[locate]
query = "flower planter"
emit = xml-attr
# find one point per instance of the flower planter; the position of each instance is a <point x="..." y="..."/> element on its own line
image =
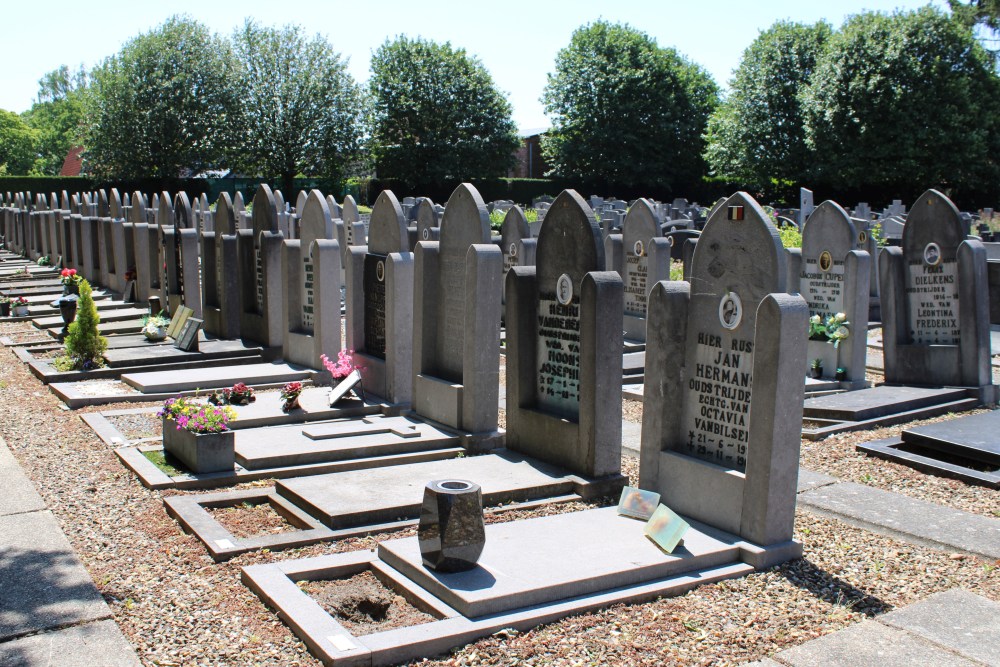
<point x="200" y="452"/>
<point x="5" y="309"/>
<point x="154" y="334"/>
<point x="19" y="311"/>
<point x="71" y="289"/>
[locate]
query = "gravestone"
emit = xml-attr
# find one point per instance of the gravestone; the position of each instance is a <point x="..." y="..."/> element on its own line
<point x="564" y="347"/>
<point x="428" y="221"/>
<point x="220" y="272"/>
<point x="352" y="232"/>
<point x="935" y="303"/>
<point x="336" y="212"/>
<point x="311" y="267"/>
<point x="643" y="260"/>
<point x="183" y="287"/>
<point x="166" y="245"/>
<point x="806" y="205"/>
<point x="516" y="242"/>
<point x="722" y="405"/>
<point x="261" y="282"/>
<point x="456" y="322"/>
<point x="145" y="241"/>
<point x="379" y="320"/>
<point x="834" y="279"/>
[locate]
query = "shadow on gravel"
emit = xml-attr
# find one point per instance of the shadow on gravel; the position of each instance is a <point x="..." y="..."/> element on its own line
<point x="804" y="574"/>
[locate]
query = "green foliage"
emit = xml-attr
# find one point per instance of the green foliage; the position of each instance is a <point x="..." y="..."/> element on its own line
<point x="984" y="14"/>
<point x="626" y="111"/>
<point x="300" y="109"/>
<point x="757" y="135"/>
<point x="164" y="104"/>
<point x="904" y="102"/>
<point x="84" y="345"/>
<point x="790" y="237"/>
<point x="437" y="114"/>
<point x="57" y="115"/>
<point x="166" y="463"/>
<point x="18" y="143"/>
<point x="676" y="269"/>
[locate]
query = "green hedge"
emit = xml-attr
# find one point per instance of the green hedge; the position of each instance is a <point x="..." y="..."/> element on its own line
<point x="45" y="184"/>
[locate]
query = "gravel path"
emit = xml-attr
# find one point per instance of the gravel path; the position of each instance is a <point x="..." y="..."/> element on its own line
<point x="178" y="607"/>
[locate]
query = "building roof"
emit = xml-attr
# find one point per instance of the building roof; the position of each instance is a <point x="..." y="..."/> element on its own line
<point x="73" y="164"/>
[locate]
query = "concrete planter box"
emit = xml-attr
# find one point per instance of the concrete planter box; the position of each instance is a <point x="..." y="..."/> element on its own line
<point x="200" y="452"/>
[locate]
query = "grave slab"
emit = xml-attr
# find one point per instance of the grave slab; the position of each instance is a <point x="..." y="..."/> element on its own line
<point x="962" y="621"/>
<point x="43" y="583"/>
<point x="211" y="378"/>
<point x="870" y="644"/>
<point x="877" y="402"/>
<point x="296" y="445"/>
<point x="110" y="315"/>
<point x="152" y="354"/>
<point x="895" y="449"/>
<point x="539" y="561"/>
<point x="974" y="436"/>
<point x="98" y="644"/>
<point x="385" y="494"/>
<point x="906" y="518"/>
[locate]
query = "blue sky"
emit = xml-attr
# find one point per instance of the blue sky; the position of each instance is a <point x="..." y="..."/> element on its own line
<point x="516" y="40"/>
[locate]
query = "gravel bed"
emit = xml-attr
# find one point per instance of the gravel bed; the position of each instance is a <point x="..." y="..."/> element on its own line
<point x="136" y="426"/>
<point x="251" y="519"/>
<point x="178" y="607"/>
<point x="104" y="388"/>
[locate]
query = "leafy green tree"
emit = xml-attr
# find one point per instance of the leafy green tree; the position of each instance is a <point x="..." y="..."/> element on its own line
<point x="757" y="136"/>
<point x="982" y="13"/>
<point x="437" y="114"/>
<point x="163" y="105"/>
<point x="57" y="116"/>
<point x="301" y="110"/>
<point x="626" y="111"/>
<point x="85" y="346"/>
<point x="18" y="143"/>
<point x="904" y="102"/>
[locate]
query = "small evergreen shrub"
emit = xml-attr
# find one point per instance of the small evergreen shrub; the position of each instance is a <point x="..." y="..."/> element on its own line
<point x="84" y="345"/>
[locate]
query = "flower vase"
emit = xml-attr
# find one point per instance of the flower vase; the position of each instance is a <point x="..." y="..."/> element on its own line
<point x="291" y="404"/>
<point x="71" y="288"/>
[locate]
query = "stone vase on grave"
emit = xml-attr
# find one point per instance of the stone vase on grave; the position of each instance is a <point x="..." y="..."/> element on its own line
<point x="451" y="532"/>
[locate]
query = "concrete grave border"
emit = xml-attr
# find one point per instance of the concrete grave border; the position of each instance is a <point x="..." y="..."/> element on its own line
<point x="886" y="449"/>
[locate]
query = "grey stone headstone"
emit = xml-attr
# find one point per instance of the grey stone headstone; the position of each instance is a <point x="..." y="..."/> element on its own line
<point x="428" y="221"/>
<point x="834" y="278"/>
<point x="260" y="276"/>
<point x="724" y="386"/>
<point x="115" y="205"/>
<point x="513" y="233"/>
<point x="806" y="205"/>
<point x="379" y="301"/>
<point x="935" y="304"/>
<point x="564" y="347"/>
<point x="456" y="314"/>
<point x="220" y="272"/>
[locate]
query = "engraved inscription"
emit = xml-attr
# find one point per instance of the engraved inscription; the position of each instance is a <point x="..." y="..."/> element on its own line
<point x="558" y="363"/>
<point x="636" y="277"/>
<point x="932" y="300"/>
<point x="717" y="413"/>
<point x="451" y="322"/>
<point x="823" y="290"/>
<point x="374" y="280"/>
<point x="259" y="278"/>
<point x="307" y="294"/>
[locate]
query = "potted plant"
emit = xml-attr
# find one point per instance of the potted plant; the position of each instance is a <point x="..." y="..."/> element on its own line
<point x="816" y="368"/>
<point x="44" y="261"/>
<point x="154" y="327"/>
<point x="198" y="434"/>
<point x="71" y="281"/>
<point x="19" y="306"/>
<point x="290" y="395"/>
<point x="841" y="374"/>
<point x="238" y="394"/>
<point x="833" y="329"/>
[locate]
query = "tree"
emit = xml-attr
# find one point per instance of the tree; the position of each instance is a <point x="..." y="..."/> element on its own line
<point x="904" y="102"/>
<point x="17" y="144"/>
<point x="757" y="136"/>
<point x="57" y="116"/>
<point x="163" y="105"/>
<point x="626" y="111"/>
<point x="84" y="344"/>
<point x="302" y="112"/>
<point x="982" y="13"/>
<point x="437" y="114"/>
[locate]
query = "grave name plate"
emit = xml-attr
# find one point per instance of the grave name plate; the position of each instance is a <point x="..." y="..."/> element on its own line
<point x="374" y="319"/>
<point x="932" y="298"/>
<point x="823" y="283"/>
<point x="308" y="296"/>
<point x="558" y="348"/>
<point x="187" y="339"/>
<point x="636" y="271"/>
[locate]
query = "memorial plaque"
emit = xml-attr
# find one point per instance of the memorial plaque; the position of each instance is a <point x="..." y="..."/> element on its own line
<point x="666" y="529"/>
<point x="932" y="297"/>
<point x="187" y="339"/>
<point x="637" y="503"/>
<point x="639" y="228"/>
<point x="178" y="320"/>
<point x="344" y="387"/>
<point x="374" y="290"/>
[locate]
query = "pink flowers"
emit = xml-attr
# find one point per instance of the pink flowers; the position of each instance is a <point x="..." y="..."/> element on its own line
<point x="69" y="277"/>
<point x="343" y="367"/>
<point x="196" y="417"/>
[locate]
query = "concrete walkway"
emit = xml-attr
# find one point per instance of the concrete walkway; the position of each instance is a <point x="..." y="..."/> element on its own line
<point x="955" y="628"/>
<point x="50" y="611"/>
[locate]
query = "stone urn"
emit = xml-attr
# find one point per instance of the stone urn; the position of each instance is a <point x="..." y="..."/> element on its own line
<point x="451" y="531"/>
<point x="19" y="311"/>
